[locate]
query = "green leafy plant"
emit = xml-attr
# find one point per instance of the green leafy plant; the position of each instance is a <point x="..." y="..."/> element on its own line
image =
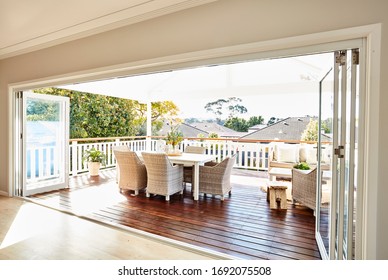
<point x="302" y="166"/>
<point x="174" y="137"/>
<point x="94" y="155"/>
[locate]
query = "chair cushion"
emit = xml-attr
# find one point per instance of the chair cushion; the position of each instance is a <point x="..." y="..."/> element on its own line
<point x="287" y="153"/>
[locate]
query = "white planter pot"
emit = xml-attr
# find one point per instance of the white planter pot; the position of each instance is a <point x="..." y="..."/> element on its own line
<point x="94" y="167"/>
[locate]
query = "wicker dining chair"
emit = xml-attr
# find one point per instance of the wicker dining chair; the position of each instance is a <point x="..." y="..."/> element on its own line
<point x="164" y="178"/>
<point x="119" y="148"/>
<point x="304" y="187"/>
<point x="214" y="178"/>
<point x="132" y="173"/>
<point x="188" y="176"/>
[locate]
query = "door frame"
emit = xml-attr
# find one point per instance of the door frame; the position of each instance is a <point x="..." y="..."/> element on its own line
<point x="304" y="44"/>
<point x="22" y="121"/>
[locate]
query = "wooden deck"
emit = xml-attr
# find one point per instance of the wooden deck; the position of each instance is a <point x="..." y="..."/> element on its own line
<point x="242" y="226"/>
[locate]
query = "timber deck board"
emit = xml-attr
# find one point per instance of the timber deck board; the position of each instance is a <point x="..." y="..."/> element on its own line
<point x="242" y="225"/>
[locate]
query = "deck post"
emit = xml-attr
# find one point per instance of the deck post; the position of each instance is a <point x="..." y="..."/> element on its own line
<point x="149" y="125"/>
<point x="74" y="158"/>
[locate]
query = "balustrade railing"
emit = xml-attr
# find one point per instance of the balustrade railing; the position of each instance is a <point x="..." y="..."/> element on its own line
<point x="250" y="155"/>
<point x="41" y="160"/>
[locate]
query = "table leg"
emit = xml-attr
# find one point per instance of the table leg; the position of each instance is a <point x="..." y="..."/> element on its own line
<point x="196" y="181"/>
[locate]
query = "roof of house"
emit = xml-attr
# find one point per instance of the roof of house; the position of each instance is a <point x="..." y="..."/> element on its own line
<point x="186" y="129"/>
<point x="287" y="129"/>
<point x="221" y="130"/>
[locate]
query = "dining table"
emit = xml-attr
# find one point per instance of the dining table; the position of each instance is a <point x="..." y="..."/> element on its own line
<point x="190" y="159"/>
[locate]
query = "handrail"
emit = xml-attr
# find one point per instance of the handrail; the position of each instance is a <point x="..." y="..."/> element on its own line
<point x="200" y="139"/>
<point x="105" y="138"/>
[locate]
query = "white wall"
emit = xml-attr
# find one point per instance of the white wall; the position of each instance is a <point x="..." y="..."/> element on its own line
<point x="220" y="24"/>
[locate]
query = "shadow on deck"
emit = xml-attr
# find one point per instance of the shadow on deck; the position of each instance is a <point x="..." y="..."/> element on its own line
<point x="242" y="226"/>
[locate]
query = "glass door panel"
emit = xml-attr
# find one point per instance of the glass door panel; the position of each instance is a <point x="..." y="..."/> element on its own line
<point x="325" y="144"/>
<point x="336" y="220"/>
<point x="45" y="142"/>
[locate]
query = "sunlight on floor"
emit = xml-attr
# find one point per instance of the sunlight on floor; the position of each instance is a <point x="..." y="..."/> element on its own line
<point x="248" y="181"/>
<point x="87" y="200"/>
<point x="25" y="225"/>
<point x="30" y="231"/>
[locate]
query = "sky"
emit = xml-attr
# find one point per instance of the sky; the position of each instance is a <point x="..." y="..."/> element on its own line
<point x="265" y="105"/>
<point x="283" y="88"/>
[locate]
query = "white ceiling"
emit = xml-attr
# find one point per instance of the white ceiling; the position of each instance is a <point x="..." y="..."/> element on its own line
<point x="277" y="76"/>
<point x="27" y="25"/>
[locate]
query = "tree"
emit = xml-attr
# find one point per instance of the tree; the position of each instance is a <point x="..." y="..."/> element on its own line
<point x="327" y="125"/>
<point x="237" y="124"/>
<point x="93" y="115"/>
<point x="223" y="106"/>
<point x="273" y="120"/>
<point x="160" y="111"/>
<point x="191" y="120"/>
<point x="311" y="131"/>
<point x="213" y="135"/>
<point x="255" y="120"/>
<point x="42" y="110"/>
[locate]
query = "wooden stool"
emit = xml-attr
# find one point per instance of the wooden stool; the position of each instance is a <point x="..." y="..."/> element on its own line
<point x="276" y="192"/>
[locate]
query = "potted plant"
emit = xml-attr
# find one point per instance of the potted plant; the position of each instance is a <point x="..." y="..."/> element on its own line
<point x="302" y="166"/>
<point x="174" y="137"/>
<point x="94" y="158"/>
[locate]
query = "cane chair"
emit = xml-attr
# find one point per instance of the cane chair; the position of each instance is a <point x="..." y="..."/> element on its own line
<point x="304" y="187"/>
<point x="164" y="178"/>
<point x="214" y="178"/>
<point x="132" y="173"/>
<point x="188" y="176"/>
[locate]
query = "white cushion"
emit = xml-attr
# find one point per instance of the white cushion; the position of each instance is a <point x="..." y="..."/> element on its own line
<point x="326" y="154"/>
<point x="311" y="155"/>
<point x="288" y="153"/>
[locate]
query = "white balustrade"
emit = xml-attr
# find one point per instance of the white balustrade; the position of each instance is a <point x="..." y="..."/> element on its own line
<point x="42" y="161"/>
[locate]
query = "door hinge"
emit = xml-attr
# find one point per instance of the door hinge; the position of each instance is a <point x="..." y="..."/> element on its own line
<point x="355" y="56"/>
<point x="339" y="151"/>
<point x="340" y="57"/>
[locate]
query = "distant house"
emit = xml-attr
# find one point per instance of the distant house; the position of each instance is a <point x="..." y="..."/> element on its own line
<point x="256" y="127"/>
<point x="186" y="129"/>
<point x="290" y="128"/>
<point x="220" y="130"/>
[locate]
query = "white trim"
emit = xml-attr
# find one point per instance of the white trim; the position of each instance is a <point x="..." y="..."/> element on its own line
<point x="371" y="143"/>
<point x="51" y="184"/>
<point x="318" y="42"/>
<point x="3" y="193"/>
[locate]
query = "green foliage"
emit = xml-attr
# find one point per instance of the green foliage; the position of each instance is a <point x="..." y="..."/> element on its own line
<point x="213" y="135"/>
<point x="159" y="112"/>
<point x="93" y="115"/>
<point x="273" y="120"/>
<point x="311" y="131"/>
<point x="174" y="136"/>
<point x="94" y="155"/>
<point x="327" y="125"/>
<point x="191" y="120"/>
<point x="223" y="106"/>
<point x="40" y="110"/>
<point x="255" y="120"/>
<point x="302" y="166"/>
<point x="201" y="135"/>
<point x="237" y="124"/>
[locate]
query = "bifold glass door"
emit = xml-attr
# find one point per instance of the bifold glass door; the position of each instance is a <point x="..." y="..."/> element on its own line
<point x="44" y="136"/>
<point x="339" y="112"/>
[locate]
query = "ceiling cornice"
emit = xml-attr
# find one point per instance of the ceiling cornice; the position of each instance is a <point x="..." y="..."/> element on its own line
<point x="145" y="11"/>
